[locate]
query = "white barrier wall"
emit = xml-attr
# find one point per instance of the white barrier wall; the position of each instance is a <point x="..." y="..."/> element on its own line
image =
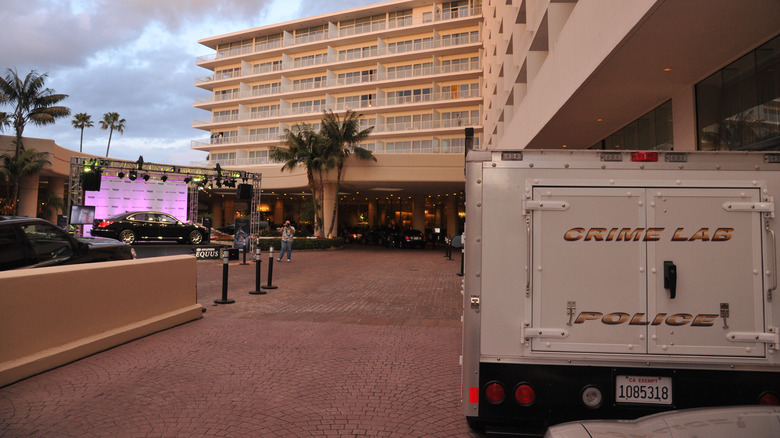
<point x="53" y="316"/>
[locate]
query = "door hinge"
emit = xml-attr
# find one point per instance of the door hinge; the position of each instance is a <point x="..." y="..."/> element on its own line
<point x="532" y="332"/>
<point x="763" y="207"/>
<point x="530" y="204"/>
<point x="772" y="337"/>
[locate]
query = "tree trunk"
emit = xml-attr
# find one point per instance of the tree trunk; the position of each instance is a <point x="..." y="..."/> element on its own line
<point x="110" y="133"/>
<point x="336" y="201"/>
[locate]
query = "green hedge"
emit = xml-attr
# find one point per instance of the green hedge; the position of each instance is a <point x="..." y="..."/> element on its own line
<point x="302" y="243"/>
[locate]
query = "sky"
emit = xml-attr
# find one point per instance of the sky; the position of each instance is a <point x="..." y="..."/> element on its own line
<point x="132" y="57"/>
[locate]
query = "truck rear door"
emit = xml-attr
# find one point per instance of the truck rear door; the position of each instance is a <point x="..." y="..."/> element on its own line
<point x="640" y="270"/>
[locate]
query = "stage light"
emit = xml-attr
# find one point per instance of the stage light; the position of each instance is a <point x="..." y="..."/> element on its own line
<point x="164" y="178"/>
<point x="133" y="175"/>
<point x="140" y="162"/>
<point x="187" y="180"/>
<point x="145" y="177"/>
<point x="120" y="175"/>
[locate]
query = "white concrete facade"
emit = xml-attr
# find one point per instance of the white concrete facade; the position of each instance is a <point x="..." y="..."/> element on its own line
<point x="568" y="73"/>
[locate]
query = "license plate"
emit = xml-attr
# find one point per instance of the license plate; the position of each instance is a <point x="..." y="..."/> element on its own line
<point x="643" y="390"/>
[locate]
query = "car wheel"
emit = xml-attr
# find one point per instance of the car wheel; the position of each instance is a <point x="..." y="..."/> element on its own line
<point x="195" y="237"/>
<point x="127" y="236"/>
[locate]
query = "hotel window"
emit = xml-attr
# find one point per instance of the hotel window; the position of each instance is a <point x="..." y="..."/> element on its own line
<point x="264" y="134"/>
<point x="357" y="101"/>
<point x="258" y="157"/>
<point x="355" y="77"/>
<point x="358" y="53"/>
<point x="225" y="116"/>
<point x="308" y="106"/>
<point x="264" y="111"/>
<point x="226" y="94"/>
<point x="409" y="96"/>
<point x="460" y="38"/>
<point x="227" y="73"/>
<point x="738" y="107"/>
<point x="234" y="48"/>
<point x="267" y="67"/>
<point x="310" y="34"/>
<point x="400" y="18"/>
<point x="309" y="83"/>
<point x="223" y="157"/>
<point x="411" y="70"/>
<point x="268" y="42"/>
<point x="454" y="65"/>
<point x="264" y="89"/>
<point x="410" y="45"/>
<point x="308" y="60"/>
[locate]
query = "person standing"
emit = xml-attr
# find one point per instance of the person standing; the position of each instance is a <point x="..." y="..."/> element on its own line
<point x="288" y="233"/>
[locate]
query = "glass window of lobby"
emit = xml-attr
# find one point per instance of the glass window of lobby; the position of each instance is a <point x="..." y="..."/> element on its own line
<point x="738" y="107"/>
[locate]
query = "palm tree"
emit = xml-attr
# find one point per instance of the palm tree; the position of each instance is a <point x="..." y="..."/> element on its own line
<point x="112" y="122"/>
<point x="304" y="148"/>
<point x="27" y="162"/>
<point x="341" y="138"/>
<point x="33" y="103"/>
<point x="81" y="121"/>
<point x="50" y="204"/>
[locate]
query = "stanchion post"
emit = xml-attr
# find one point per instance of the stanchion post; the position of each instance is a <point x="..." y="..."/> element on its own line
<point x="225" y="259"/>
<point x="270" y="270"/>
<point x="245" y="248"/>
<point x="258" y="263"/>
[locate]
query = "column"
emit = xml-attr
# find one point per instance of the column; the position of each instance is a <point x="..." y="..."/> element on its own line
<point x="57" y="188"/>
<point x="279" y="212"/>
<point x="216" y="210"/>
<point x="418" y="213"/>
<point x="452" y="215"/>
<point x="372" y="212"/>
<point x="28" y="196"/>
<point x="327" y="210"/>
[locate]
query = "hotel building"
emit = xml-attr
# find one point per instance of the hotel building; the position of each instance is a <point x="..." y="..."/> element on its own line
<point x="412" y="69"/>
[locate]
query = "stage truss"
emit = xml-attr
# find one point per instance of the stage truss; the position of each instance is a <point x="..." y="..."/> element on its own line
<point x="195" y="178"/>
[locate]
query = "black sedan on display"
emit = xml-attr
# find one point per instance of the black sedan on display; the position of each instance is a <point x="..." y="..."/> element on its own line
<point x="149" y="225"/>
<point x="31" y="243"/>
<point x="409" y="239"/>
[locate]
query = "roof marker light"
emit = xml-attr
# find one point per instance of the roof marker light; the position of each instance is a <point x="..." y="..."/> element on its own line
<point x="644" y="157"/>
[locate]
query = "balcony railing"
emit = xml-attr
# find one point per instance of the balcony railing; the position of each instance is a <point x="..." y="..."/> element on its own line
<point x="317" y="109"/>
<point x="345" y="31"/>
<point x="378" y="128"/>
<point x="376" y="77"/>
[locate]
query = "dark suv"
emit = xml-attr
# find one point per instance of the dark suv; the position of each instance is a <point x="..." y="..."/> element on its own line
<point x="31" y="242"/>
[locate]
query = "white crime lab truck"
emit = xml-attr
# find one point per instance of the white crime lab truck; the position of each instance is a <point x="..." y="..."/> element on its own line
<point x="608" y="285"/>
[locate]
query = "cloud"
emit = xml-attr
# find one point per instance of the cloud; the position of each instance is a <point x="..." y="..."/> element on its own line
<point x="134" y="57"/>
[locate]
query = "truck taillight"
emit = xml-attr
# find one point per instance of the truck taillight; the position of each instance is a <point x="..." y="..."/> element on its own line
<point x="525" y="394"/>
<point x="494" y="393"/>
<point x="644" y="157"/>
<point x="769" y="398"/>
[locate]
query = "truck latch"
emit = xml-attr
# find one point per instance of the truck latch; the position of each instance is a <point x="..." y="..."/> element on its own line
<point x="475" y="302"/>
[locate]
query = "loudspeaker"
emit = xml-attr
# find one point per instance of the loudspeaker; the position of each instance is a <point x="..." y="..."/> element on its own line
<point x="244" y="191"/>
<point x="90" y="181"/>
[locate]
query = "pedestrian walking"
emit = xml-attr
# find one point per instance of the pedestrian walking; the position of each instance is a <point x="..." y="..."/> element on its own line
<point x="288" y="233"/>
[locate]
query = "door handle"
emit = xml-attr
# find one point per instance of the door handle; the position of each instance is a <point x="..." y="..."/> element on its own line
<point x="670" y="278"/>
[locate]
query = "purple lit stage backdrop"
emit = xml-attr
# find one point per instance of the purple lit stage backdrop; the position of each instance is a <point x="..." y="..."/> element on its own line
<point x="120" y="195"/>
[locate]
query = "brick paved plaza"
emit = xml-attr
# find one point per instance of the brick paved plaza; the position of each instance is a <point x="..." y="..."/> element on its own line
<point x="362" y="341"/>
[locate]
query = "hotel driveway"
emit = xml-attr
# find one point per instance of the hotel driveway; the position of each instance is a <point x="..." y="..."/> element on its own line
<point x="362" y="341"/>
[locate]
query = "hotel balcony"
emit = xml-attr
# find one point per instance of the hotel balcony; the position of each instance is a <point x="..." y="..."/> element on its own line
<point x="335" y="32"/>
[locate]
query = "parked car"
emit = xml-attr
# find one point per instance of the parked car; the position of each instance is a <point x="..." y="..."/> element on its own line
<point x="760" y="421"/>
<point x="150" y="225"/>
<point x="31" y="243"/>
<point x="353" y="234"/>
<point x="376" y="235"/>
<point x="409" y="238"/>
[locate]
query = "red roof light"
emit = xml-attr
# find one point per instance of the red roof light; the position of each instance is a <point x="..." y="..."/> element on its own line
<point x="644" y="157"/>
